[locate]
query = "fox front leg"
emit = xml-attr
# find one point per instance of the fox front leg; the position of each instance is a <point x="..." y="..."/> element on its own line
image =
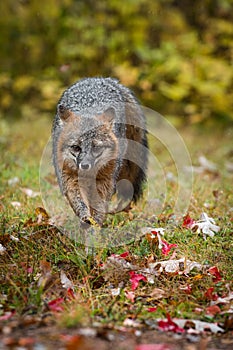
<point x="79" y="207"/>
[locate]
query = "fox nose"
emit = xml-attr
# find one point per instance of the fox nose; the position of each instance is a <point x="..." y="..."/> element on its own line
<point x="84" y="166"/>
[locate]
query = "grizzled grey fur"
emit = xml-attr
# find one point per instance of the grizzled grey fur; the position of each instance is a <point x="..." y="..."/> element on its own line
<point x="97" y="107"/>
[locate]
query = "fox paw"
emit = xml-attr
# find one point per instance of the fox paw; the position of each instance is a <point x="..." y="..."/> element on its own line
<point x="85" y="221"/>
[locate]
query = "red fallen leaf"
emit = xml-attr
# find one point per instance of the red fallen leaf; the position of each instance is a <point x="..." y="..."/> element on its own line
<point x="216" y="274"/>
<point x="70" y="293"/>
<point x="7" y="316"/>
<point x="210" y="295"/>
<point x="152" y="309"/>
<point x="167" y="247"/>
<point x="56" y="305"/>
<point x="135" y="278"/>
<point x="213" y="310"/>
<point x="169" y="325"/>
<point x="153" y="347"/>
<point x="130" y="295"/>
<point x="122" y="255"/>
<point x="188" y="222"/>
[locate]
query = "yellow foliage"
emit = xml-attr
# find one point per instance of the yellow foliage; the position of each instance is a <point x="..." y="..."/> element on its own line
<point x="174" y="92"/>
<point x="22" y="83"/>
<point x="6" y="100"/>
<point x="127" y="75"/>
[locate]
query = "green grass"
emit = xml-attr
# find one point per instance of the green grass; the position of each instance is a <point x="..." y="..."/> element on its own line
<point x="23" y="263"/>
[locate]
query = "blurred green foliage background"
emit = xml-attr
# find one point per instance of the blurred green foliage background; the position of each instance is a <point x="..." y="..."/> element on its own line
<point x="175" y="54"/>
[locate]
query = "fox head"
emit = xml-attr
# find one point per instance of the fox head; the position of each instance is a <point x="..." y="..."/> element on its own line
<point x="86" y="144"/>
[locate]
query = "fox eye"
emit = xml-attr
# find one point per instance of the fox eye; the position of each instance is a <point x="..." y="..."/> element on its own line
<point x="97" y="146"/>
<point x="75" y="148"/>
<point x="97" y="149"/>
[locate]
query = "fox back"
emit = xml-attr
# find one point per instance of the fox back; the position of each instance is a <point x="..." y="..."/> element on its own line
<point x="99" y="139"/>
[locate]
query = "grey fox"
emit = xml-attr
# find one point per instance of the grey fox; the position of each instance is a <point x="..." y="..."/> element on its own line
<point x="99" y="138"/>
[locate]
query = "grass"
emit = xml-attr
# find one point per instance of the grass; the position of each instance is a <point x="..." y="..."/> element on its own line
<point x="31" y="265"/>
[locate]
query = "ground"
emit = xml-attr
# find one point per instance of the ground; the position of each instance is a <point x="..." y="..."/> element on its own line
<point x="56" y="295"/>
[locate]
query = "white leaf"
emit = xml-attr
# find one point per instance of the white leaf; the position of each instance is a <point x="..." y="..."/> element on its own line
<point x="29" y="192"/>
<point x="128" y="322"/>
<point x="65" y="281"/>
<point x="2" y="249"/>
<point x="174" y="266"/>
<point x="206" y="164"/>
<point x="200" y="326"/>
<point x="14" y="238"/>
<point x="16" y="204"/>
<point x="158" y="230"/>
<point x="115" y="291"/>
<point x="206" y="225"/>
<point x="13" y="181"/>
<point x="224" y="300"/>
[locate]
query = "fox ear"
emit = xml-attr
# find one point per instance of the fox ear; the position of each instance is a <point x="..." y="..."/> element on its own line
<point x="65" y="114"/>
<point x="108" y="116"/>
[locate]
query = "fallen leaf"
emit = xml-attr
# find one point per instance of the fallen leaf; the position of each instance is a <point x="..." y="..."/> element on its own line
<point x="16" y="204"/>
<point x="167" y="247"/>
<point x="173" y="266"/>
<point x="135" y="278"/>
<point x="152" y="309"/>
<point x="13" y="238"/>
<point x="154" y="234"/>
<point x="207" y="165"/>
<point x="213" y="310"/>
<point x="188" y="221"/>
<point x="41" y="214"/>
<point x="225" y="300"/>
<point x="29" y="192"/>
<point x="169" y="325"/>
<point x="70" y="294"/>
<point x="209" y="294"/>
<point x="206" y="225"/>
<point x="199" y="326"/>
<point x="65" y="281"/>
<point x="2" y="249"/>
<point x="13" y="181"/>
<point x="158" y="232"/>
<point x="7" y="316"/>
<point x="130" y="295"/>
<point x="215" y="273"/>
<point x="123" y="255"/>
<point x="129" y="322"/>
<point x="56" y="305"/>
<point x="115" y="291"/>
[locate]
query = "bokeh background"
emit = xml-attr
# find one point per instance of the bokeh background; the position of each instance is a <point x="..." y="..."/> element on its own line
<point x="176" y="55"/>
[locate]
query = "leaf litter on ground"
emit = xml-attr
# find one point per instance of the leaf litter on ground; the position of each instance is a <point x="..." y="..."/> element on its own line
<point x="133" y="276"/>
